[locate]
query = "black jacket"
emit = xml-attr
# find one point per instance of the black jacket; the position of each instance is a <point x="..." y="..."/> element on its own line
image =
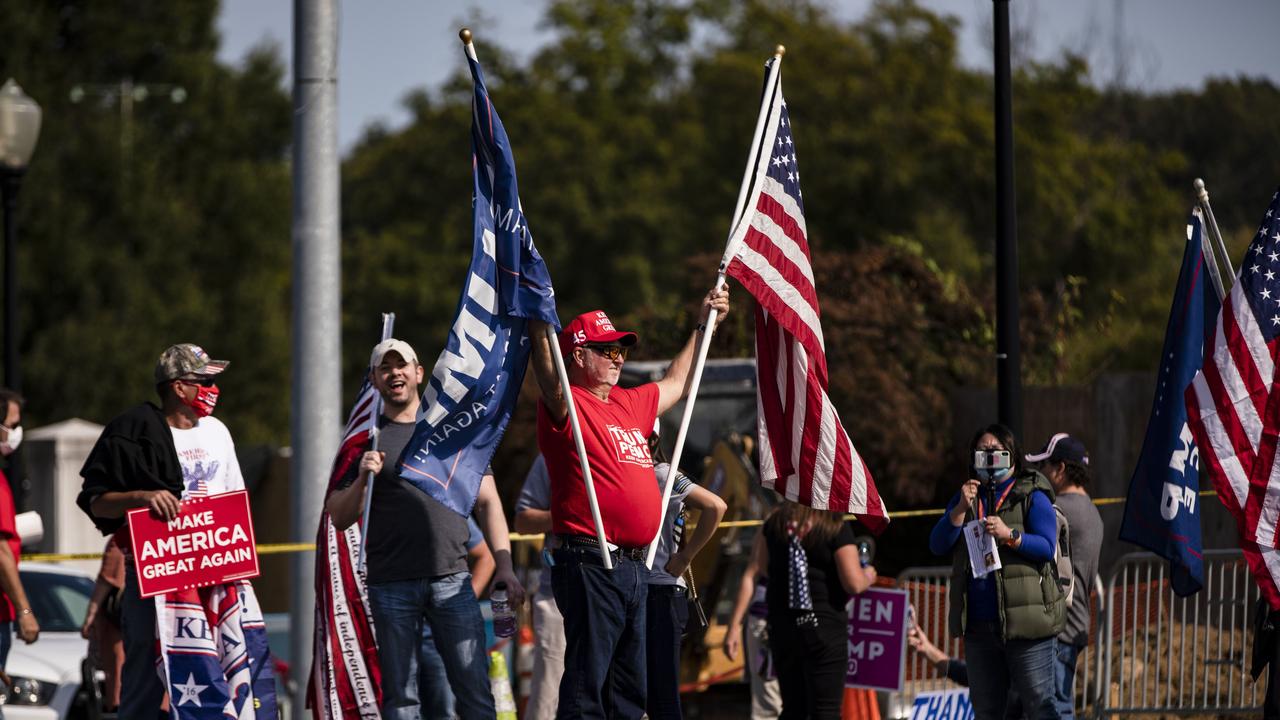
<point x="134" y="452"/>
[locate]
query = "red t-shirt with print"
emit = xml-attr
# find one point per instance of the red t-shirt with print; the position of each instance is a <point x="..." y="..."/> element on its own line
<point x="615" y="434"/>
<point x="9" y="533"/>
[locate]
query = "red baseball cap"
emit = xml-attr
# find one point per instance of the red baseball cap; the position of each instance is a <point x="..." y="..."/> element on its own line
<point x="593" y="327"/>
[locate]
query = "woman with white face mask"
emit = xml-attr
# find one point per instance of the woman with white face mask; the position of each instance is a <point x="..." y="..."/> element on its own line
<point x="10" y="429"/>
<point x="14" y="607"/>
<point x="1000" y="529"/>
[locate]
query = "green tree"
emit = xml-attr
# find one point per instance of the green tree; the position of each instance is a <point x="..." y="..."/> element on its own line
<point x="183" y="238"/>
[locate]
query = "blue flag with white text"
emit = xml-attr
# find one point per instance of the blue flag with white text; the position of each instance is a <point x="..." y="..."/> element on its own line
<point x="472" y="390"/>
<point x="1162" y="513"/>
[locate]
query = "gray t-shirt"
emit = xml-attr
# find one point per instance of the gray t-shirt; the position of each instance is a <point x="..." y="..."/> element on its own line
<point x="1086" y="543"/>
<point x="536" y="495"/>
<point x="658" y="575"/>
<point x="411" y="534"/>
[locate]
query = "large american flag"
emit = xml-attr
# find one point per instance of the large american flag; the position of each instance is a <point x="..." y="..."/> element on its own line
<point x="805" y="453"/>
<point x="1233" y="404"/>
<point x="345" y="679"/>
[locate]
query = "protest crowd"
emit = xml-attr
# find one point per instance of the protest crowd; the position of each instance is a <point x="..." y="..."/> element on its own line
<point x="414" y="538"/>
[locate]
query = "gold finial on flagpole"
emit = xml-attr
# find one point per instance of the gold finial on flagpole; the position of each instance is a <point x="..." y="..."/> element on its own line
<point x="465" y="35"/>
<point x="780" y="50"/>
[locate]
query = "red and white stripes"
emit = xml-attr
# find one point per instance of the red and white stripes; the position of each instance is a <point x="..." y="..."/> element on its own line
<point x="345" y="679"/>
<point x="1233" y="409"/>
<point x="805" y="453"/>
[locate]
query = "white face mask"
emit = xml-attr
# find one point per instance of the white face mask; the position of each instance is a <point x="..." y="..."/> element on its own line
<point x="10" y="445"/>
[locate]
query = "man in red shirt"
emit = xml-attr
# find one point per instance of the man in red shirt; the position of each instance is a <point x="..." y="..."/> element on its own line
<point x="14" y="606"/>
<point x="604" y="611"/>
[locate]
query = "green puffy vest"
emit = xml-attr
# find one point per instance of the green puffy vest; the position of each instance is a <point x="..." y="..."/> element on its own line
<point x="1031" y="603"/>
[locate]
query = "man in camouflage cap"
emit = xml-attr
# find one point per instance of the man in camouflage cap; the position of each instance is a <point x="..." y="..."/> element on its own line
<point x="152" y="457"/>
<point x="187" y="361"/>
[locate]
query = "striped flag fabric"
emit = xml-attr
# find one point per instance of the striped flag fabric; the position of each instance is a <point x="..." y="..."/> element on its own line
<point x="345" y="680"/>
<point x="805" y="453"/>
<point x="1233" y="405"/>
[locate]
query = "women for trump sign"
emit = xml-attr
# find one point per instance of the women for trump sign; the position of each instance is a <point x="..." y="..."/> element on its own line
<point x="877" y="639"/>
<point x="210" y="542"/>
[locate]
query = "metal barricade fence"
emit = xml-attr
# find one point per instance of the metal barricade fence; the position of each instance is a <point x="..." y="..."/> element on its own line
<point x="1160" y="654"/>
<point x="1183" y="656"/>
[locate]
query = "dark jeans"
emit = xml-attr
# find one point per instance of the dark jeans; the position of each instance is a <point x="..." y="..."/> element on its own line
<point x="433" y="679"/>
<point x="998" y="667"/>
<point x="666" y="616"/>
<point x="400" y="608"/>
<point x="141" y="690"/>
<point x="604" y="630"/>
<point x="1065" y="679"/>
<point x="811" y="663"/>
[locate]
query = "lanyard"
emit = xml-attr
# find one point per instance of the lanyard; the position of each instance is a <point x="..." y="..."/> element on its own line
<point x="1003" y="495"/>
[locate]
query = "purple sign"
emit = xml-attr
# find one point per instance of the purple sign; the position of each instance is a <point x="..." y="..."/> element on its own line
<point x="877" y="639"/>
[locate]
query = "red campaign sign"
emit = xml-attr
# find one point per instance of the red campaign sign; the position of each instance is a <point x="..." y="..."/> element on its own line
<point x="210" y="542"/>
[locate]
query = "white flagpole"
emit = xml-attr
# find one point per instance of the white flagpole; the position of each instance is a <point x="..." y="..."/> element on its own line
<point x="577" y="442"/>
<point x="465" y="35"/>
<point x="704" y="343"/>
<point x="1208" y="255"/>
<point x="1215" y="235"/>
<point x="388" y="324"/>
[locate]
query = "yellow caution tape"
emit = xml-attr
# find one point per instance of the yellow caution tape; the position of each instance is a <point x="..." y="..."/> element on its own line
<point x="280" y="548"/>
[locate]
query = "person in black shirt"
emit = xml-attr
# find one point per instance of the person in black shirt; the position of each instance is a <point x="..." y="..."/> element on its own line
<point x="813" y="568"/>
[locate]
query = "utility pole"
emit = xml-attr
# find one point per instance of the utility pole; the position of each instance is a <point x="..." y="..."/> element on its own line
<point x="1008" y="354"/>
<point x="315" y="407"/>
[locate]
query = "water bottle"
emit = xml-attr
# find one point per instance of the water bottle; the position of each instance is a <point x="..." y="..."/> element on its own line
<point x="504" y="618"/>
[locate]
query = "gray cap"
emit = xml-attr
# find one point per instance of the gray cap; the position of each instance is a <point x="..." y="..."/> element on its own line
<point x="186" y="359"/>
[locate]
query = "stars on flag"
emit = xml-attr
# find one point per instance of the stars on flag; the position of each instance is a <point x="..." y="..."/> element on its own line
<point x="1261" y="284"/>
<point x="190" y="691"/>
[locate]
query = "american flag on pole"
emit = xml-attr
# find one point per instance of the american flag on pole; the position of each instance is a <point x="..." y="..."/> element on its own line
<point x="1233" y="405"/>
<point x="345" y="677"/>
<point x="805" y="453"/>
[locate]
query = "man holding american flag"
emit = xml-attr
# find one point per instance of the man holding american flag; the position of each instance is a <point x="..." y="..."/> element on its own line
<point x="604" y="610"/>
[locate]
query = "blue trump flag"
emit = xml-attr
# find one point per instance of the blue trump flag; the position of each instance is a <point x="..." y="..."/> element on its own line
<point x="1162" y="513"/>
<point x="473" y="388"/>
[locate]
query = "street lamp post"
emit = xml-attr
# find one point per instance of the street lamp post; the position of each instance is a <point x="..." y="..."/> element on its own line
<point x="19" y="129"/>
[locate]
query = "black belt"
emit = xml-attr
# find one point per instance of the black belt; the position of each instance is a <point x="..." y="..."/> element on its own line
<point x="583" y="542"/>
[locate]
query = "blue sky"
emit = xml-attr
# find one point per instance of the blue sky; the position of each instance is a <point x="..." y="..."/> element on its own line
<point x="389" y="47"/>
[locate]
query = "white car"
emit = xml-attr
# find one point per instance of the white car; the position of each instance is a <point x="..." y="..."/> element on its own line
<point x="47" y="674"/>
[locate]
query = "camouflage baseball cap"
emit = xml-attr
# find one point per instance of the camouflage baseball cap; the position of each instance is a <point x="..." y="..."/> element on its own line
<point x="186" y="359"/>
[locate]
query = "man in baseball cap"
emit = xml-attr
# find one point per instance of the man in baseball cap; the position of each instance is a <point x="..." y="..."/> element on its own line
<point x="418" y="578"/>
<point x="1060" y="448"/>
<point x="153" y="457"/>
<point x="1065" y="462"/>
<point x="186" y="360"/>
<point x="604" y="611"/>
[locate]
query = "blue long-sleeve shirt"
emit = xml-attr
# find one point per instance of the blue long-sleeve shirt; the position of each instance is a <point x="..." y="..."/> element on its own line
<point x="1037" y="545"/>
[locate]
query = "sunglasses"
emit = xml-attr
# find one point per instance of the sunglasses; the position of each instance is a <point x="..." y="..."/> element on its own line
<point x="612" y="352"/>
<point x="202" y="382"/>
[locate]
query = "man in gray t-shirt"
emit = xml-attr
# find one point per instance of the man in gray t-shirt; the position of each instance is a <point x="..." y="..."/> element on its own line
<point x="417" y="566"/>
<point x="1065" y="463"/>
